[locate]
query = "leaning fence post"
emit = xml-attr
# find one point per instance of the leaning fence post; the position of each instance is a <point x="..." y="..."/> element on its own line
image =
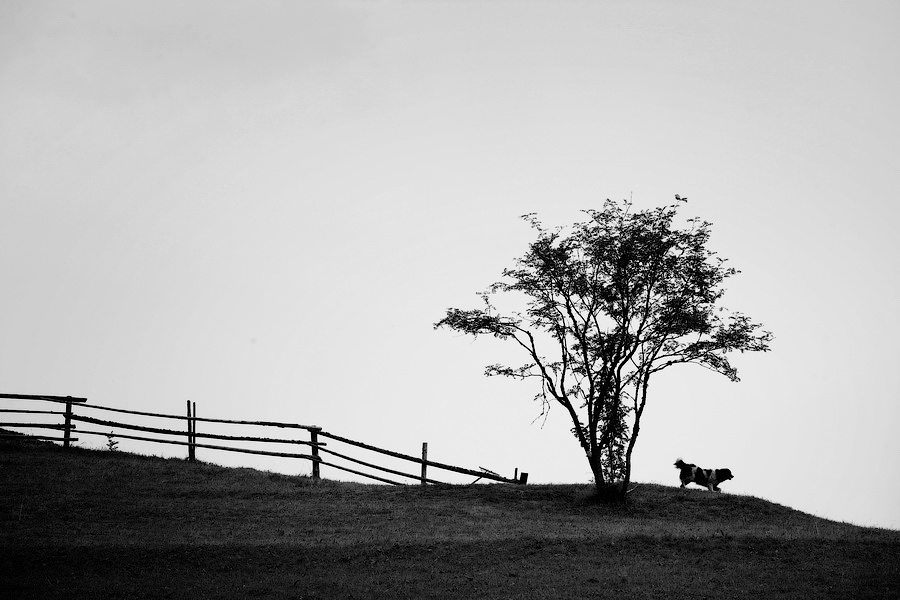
<point x="424" y="461"/>
<point x="314" y="443"/>
<point x="67" y="435"/>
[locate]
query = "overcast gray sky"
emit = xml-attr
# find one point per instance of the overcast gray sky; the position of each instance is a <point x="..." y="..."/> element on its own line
<point x="264" y="207"/>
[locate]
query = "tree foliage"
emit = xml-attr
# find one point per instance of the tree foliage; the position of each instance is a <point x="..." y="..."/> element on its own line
<point x="608" y="303"/>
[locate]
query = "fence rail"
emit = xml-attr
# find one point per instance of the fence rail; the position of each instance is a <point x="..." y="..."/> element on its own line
<point x="189" y="435"/>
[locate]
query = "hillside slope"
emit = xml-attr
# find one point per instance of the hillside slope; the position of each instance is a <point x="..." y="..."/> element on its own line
<point x="83" y="524"/>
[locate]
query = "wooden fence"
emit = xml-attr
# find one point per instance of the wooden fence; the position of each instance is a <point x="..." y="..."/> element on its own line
<point x="189" y="436"/>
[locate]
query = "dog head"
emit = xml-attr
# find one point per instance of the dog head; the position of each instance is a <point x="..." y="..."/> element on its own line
<point x="723" y="474"/>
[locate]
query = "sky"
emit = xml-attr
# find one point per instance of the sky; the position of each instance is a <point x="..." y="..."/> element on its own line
<point x="264" y="207"/>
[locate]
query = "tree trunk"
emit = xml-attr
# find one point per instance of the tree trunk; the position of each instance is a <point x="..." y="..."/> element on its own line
<point x="635" y="430"/>
<point x="627" y="480"/>
<point x="597" y="470"/>
<point x="606" y="491"/>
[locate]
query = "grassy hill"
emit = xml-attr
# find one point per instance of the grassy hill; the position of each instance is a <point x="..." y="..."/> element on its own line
<point x="92" y="524"/>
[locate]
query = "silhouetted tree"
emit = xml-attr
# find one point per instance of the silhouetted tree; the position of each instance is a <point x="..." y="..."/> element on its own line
<point x="608" y="304"/>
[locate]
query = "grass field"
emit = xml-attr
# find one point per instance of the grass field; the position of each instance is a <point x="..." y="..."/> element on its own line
<point x="96" y="524"/>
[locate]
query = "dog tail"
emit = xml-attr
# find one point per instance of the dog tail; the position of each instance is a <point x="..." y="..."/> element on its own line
<point x="680" y="463"/>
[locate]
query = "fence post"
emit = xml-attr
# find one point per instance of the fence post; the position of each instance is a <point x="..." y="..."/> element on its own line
<point x="194" y="432"/>
<point x="67" y="435"/>
<point x="314" y="444"/>
<point x="424" y="461"/>
<point x="190" y="432"/>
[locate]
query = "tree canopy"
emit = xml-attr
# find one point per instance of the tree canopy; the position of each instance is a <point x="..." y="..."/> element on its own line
<point x="606" y="304"/>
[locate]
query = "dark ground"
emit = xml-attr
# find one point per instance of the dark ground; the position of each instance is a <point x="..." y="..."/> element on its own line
<point x="90" y="524"/>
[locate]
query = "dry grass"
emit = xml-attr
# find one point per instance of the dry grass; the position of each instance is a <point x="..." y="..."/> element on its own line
<point x="90" y="524"/>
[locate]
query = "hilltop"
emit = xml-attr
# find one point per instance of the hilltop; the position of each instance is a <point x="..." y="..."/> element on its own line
<point x="88" y="523"/>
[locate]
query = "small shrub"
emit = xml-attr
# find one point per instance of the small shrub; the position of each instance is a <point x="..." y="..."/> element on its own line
<point x="111" y="443"/>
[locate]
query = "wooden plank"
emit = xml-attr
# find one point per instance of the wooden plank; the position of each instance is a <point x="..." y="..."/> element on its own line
<point x="46" y="398"/>
<point x="25" y="437"/>
<point x="210" y="446"/>
<point x="202" y="420"/>
<point x="39" y="425"/>
<point x="181" y="433"/>
<point x="126" y="426"/>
